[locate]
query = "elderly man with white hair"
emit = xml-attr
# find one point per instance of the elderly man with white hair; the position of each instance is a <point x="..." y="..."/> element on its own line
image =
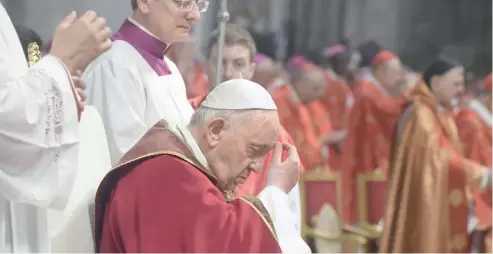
<point x="172" y="191"/>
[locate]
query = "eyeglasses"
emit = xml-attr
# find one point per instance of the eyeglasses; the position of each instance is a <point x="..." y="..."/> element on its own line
<point x="187" y="5"/>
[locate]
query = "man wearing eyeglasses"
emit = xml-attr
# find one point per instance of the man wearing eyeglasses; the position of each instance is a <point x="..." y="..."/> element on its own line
<point x="133" y="85"/>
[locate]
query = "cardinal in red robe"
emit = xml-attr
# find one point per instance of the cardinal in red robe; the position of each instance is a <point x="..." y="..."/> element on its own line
<point x="474" y="125"/>
<point x="378" y="104"/>
<point x="296" y="102"/>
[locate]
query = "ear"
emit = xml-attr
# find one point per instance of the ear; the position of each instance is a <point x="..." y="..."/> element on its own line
<point x="215" y="130"/>
<point x="144" y="5"/>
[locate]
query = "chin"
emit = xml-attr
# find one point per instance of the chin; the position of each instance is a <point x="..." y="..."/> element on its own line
<point x="182" y="37"/>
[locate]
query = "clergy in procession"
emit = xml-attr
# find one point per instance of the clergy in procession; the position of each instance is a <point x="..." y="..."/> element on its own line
<point x="474" y="125"/>
<point x="292" y="101"/>
<point x="427" y="208"/>
<point x="371" y="120"/>
<point x="172" y="191"/>
<point x="337" y="99"/>
<point x="40" y="112"/>
<point x="133" y="85"/>
<point x="238" y="61"/>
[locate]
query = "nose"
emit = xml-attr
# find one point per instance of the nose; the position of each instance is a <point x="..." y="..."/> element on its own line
<point x="256" y="166"/>
<point x="194" y="14"/>
<point x="228" y="72"/>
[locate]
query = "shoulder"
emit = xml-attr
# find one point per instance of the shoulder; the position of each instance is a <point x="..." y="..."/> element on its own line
<point x="117" y="58"/>
<point x="468" y="119"/>
<point x="166" y="173"/>
<point x="466" y="115"/>
<point x="172" y="66"/>
<point x="421" y="115"/>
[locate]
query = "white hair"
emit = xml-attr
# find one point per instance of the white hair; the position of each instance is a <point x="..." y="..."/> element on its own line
<point x="203" y="115"/>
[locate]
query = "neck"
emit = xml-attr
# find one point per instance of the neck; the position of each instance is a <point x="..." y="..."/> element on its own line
<point x="142" y="19"/>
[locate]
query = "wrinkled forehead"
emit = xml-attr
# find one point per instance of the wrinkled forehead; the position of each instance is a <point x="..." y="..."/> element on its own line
<point x="263" y="124"/>
<point x="232" y="52"/>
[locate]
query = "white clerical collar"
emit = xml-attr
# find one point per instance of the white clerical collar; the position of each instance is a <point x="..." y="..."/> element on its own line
<point x="482" y="111"/>
<point x="133" y="21"/>
<point x="368" y="76"/>
<point x="187" y="138"/>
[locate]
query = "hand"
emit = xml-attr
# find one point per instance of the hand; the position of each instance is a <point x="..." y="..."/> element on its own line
<point x="80" y="89"/>
<point x="79" y="41"/>
<point x="284" y="174"/>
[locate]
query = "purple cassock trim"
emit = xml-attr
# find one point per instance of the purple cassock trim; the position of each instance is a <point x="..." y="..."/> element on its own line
<point x="151" y="49"/>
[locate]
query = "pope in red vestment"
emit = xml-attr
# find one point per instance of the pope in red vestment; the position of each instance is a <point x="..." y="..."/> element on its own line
<point x="135" y="212"/>
<point x="177" y="183"/>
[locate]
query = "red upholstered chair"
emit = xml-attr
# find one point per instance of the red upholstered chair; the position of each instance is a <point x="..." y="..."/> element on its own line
<point x="372" y="194"/>
<point x="321" y="207"/>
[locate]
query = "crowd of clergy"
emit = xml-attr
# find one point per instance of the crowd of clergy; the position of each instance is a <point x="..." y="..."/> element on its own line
<point x="125" y="141"/>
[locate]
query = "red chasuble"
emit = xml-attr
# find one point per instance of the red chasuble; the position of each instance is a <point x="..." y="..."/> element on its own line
<point x="159" y="199"/>
<point x="367" y="145"/>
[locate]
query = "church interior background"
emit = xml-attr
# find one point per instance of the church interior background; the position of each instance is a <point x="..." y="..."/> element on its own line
<point x="416" y="29"/>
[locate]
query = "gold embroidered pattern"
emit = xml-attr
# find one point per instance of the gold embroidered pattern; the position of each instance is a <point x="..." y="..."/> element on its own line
<point x="455" y="197"/>
<point x="33" y="53"/>
<point x="259" y="208"/>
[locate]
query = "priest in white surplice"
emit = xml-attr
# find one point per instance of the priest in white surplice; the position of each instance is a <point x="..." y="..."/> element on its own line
<point x="38" y="131"/>
<point x="133" y="85"/>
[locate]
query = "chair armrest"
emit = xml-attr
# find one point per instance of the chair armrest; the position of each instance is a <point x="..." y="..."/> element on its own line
<point x="322" y="235"/>
<point x="368" y="234"/>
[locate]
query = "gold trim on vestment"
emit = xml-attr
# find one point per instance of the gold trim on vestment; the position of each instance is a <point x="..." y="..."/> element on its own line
<point x="265" y="216"/>
<point x="165" y="152"/>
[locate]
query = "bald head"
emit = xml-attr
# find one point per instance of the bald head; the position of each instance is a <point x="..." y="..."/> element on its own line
<point x="308" y="84"/>
<point x="388" y="70"/>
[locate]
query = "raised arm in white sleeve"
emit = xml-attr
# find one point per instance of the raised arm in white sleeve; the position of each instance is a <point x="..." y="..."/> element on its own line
<point x="285" y="220"/>
<point x="38" y="126"/>
<point x="118" y="94"/>
<point x="295" y="205"/>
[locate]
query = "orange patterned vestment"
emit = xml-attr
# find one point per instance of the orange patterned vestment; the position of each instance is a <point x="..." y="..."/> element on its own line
<point x="427" y="206"/>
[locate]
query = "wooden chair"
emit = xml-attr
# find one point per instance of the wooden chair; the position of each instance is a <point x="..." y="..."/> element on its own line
<point x="321" y="208"/>
<point x="372" y="195"/>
